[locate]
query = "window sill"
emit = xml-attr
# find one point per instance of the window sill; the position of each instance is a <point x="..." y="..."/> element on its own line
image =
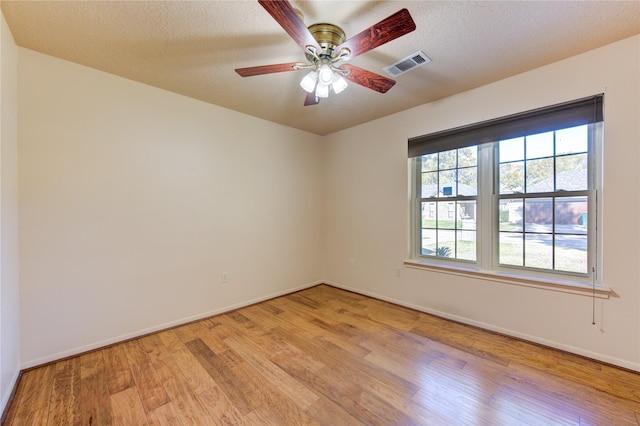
<point x="514" y="279"/>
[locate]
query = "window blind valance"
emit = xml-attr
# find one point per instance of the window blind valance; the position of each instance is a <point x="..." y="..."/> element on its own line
<point x="574" y="113"/>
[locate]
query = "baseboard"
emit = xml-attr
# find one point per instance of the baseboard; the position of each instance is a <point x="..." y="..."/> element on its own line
<point x="507" y="332"/>
<point x="140" y="333"/>
<point x="6" y="400"/>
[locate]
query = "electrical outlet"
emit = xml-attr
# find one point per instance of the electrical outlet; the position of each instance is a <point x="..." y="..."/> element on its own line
<point x="398" y="272"/>
<point x="225" y="277"/>
<point x="352" y="262"/>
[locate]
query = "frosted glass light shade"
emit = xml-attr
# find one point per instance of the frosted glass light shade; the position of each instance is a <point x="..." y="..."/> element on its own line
<point x="322" y="90"/>
<point x="339" y="83"/>
<point x="308" y="83"/>
<point x="325" y="75"/>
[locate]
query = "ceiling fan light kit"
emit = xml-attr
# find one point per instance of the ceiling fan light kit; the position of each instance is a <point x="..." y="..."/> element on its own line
<point x="321" y="77"/>
<point x="325" y="46"/>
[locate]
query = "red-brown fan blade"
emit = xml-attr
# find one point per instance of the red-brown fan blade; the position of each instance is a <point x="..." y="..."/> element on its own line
<point x="396" y="25"/>
<point x="368" y="79"/>
<point x="286" y="16"/>
<point x="311" y="99"/>
<point x="267" y="69"/>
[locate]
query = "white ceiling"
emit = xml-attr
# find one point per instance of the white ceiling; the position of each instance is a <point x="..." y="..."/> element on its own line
<point x="193" y="47"/>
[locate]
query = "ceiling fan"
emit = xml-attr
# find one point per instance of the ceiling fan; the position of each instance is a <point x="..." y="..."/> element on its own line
<point x="326" y="46"/>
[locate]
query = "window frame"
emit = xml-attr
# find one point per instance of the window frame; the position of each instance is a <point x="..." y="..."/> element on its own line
<point x="488" y="208"/>
<point x="455" y="199"/>
<point x="594" y="173"/>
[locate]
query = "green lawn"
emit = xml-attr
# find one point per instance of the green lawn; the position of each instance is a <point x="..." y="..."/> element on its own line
<point x="466" y="249"/>
<point x="538" y="255"/>
<point x="442" y="224"/>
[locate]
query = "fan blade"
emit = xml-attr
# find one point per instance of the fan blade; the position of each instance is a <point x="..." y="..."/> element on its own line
<point x="267" y="69"/>
<point x="396" y="25"/>
<point x="368" y="79"/>
<point x="311" y="99"/>
<point x="286" y="16"/>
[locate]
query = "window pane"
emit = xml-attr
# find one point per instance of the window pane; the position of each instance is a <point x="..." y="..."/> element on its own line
<point x="540" y="175"/>
<point x="448" y="183"/>
<point x="446" y="215"/>
<point x="571" y="215"/>
<point x="571" y="173"/>
<point x="572" y="140"/>
<point x="538" y="215"/>
<point x="511" y="215"/>
<point x="468" y="181"/>
<point x="447" y="160"/>
<point x="429" y="215"/>
<point x="429" y="184"/>
<point x="540" y="145"/>
<point x="538" y="251"/>
<point x="449" y="229"/>
<point x="571" y="253"/>
<point x="511" y="248"/>
<point x="428" y="242"/>
<point x="511" y="177"/>
<point x="511" y="150"/>
<point x="466" y="245"/>
<point x="429" y="162"/>
<point x="468" y="157"/>
<point x="467" y="214"/>
<point x="446" y="243"/>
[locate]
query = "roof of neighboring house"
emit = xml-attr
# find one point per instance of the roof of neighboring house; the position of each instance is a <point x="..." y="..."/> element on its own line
<point x="571" y="180"/>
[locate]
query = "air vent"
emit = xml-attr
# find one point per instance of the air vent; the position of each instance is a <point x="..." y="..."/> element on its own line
<point x="410" y="62"/>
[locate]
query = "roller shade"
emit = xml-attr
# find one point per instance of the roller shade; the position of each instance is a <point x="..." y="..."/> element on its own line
<point x="575" y="113"/>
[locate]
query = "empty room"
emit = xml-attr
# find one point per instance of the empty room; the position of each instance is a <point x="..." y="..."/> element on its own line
<point x="320" y="212"/>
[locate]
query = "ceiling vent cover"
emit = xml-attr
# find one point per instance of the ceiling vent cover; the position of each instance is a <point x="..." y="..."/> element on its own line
<point x="410" y="62"/>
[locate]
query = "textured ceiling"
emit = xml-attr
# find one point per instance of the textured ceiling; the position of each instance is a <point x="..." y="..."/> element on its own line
<point x="193" y="47"/>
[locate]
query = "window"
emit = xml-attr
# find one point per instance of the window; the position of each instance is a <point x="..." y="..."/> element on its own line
<point x="449" y="189"/>
<point x="544" y="200"/>
<point x="513" y="193"/>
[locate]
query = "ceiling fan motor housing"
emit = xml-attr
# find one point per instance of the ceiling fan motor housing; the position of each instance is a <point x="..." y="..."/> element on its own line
<point x="328" y="37"/>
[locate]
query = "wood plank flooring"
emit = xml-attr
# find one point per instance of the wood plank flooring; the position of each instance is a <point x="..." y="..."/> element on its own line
<point x="329" y="357"/>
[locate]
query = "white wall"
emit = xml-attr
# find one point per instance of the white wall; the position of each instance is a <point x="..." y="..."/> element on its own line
<point x="366" y="210"/>
<point x="134" y="200"/>
<point x="9" y="291"/>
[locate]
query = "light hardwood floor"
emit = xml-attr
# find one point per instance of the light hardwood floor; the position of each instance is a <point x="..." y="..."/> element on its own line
<point x="326" y="356"/>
